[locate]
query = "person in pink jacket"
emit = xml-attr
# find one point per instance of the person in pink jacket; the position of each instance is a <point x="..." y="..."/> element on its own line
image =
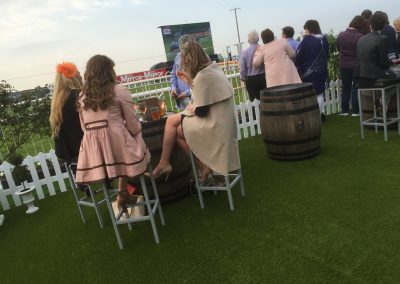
<point x="276" y="54"/>
<point x="112" y="144"/>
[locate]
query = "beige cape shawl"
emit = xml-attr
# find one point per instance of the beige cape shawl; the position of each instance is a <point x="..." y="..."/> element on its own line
<point x="213" y="139"/>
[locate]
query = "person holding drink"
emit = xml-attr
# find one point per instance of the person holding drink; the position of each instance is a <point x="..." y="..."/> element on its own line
<point x="179" y="88"/>
<point x="207" y="126"/>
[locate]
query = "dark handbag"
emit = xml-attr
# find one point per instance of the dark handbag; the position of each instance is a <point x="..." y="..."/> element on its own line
<point x="316" y="66"/>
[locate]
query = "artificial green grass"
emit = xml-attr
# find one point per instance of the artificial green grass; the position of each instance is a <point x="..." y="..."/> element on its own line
<point x="330" y="219"/>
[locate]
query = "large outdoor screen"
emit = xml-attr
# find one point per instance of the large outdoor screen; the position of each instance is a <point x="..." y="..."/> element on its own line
<point x="171" y="35"/>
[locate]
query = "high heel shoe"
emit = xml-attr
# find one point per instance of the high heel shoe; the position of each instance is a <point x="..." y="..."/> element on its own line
<point x="206" y="181"/>
<point x="124" y="199"/>
<point x="163" y="172"/>
<point x="205" y="176"/>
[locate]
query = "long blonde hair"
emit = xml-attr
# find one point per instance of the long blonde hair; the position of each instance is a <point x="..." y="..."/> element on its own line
<point x="61" y="92"/>
<point x="194" y="58"/>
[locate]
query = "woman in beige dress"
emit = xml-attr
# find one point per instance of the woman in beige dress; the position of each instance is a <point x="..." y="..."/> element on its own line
<point x="277" y="55"/>
<point x="112" y="144"/>
<point x="207" y="127"/>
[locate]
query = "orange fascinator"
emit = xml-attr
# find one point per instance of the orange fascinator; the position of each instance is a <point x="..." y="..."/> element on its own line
<point x="68" y="69"/>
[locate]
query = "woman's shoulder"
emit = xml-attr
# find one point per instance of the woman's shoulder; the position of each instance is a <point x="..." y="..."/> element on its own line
<point x="73" y="95"/>
<point x="122" y="93"/>
<point x="307" y="38"/>
<point x="281" y="42"/>
<point x="211" y="70"/>
<point x="120" y="89"/>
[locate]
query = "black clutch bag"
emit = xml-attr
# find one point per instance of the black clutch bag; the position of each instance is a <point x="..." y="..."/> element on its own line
<point x="201" y="111"/>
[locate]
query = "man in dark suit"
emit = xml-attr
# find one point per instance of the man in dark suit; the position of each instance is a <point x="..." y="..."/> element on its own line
<point x="372" y="54"/>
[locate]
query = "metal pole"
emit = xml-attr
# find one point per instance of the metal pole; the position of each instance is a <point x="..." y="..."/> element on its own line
<point x="237" y="28"/>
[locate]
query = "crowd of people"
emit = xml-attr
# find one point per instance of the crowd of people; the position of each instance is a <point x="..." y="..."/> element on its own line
<point x="367" y="48"/>
<point x="94" y="124"/>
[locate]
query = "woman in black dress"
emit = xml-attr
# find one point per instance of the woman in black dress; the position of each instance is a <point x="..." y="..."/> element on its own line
<point x="64" y="119"/>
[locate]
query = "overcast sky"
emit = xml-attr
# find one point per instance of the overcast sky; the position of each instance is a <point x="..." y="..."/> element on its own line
<point x="38" y="34"/>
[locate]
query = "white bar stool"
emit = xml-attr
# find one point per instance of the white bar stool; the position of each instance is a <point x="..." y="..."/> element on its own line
<point x="88" y="201"/>
<point x="151" y="205"/>
<point x="229" y="182"/>
<point x="381" y="89"/>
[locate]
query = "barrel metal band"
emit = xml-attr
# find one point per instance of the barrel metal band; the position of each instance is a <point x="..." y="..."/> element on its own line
<point x="309" y="139"/>
<point x="287" y="90"/>
<point x="266" y="99"/>
<point x="290" y="112"/>
<point x="294" y="154"/>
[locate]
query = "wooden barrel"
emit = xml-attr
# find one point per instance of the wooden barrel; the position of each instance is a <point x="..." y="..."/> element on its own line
<point x="290" y="121"/>
<point x="367" y="107"/>
<point x="178" y="183"/>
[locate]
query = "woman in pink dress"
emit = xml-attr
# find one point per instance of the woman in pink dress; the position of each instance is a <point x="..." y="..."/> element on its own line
<point x="277" y="55"/>
<point x="112" y="144"/>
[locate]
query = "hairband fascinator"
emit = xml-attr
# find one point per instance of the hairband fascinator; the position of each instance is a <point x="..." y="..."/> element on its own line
<point x="68" y="69"/>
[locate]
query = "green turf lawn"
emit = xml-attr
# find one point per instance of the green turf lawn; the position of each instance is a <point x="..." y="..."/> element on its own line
<point x="331" y="219"/>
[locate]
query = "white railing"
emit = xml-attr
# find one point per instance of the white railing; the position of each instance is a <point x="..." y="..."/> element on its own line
<point x="160" y="86"/>
<point x="247" y="115"/>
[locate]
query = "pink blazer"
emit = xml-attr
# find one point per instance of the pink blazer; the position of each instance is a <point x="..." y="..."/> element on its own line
<point x="277" y="58"/>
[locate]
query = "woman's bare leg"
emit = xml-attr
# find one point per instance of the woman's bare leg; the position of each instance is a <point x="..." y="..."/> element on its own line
<point x="204" y="170"/>
<point x="180" y="140"/>
<point x="124" y="198"/>
<point x="122" y="183"/>
<point x="170" y="134"/>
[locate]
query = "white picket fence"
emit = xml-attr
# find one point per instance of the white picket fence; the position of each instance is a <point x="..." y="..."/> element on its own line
<point x="333" y="98"/>
<point x="35" y="165"/>
<point x="246" y="126"/>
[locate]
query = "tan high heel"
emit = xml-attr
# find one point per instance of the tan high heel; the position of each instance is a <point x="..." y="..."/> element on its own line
<point x="124" y="199"/>
<point x="205" y="176"/>
<point x="164" y="172"/>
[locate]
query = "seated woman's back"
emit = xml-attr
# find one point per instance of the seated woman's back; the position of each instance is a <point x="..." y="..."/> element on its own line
<point x="112" y="144"/>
